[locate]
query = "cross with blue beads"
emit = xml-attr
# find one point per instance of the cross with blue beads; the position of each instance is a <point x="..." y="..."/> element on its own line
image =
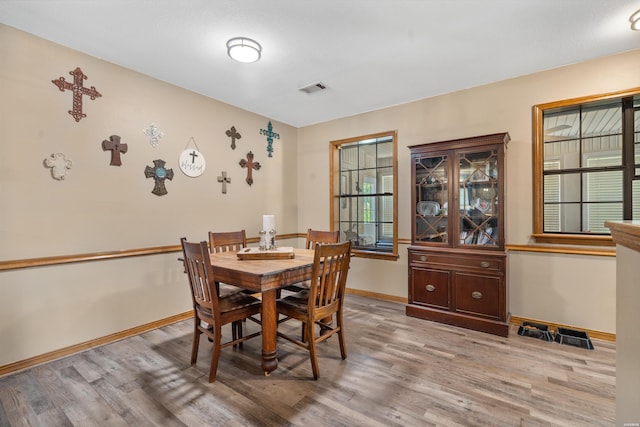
<point x="270" y="134"/>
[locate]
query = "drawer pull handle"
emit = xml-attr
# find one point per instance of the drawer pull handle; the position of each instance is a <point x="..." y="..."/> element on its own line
<point x="430" y="288"/>
<point x="476" y="295"/>
<point x="485" y="264"/>
<point x="423" y="258"/>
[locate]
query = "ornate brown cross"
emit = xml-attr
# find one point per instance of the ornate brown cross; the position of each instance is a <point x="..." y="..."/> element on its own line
<point x="159" y="173"/>
<point x="250" y="165"/>
<point x="113" y="144"/>
<point x="224" y="179"/>
<point x="78" y="90"/>
<point x="231" y="133"/>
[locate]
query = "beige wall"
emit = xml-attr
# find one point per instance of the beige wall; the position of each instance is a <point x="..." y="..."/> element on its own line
<point x="99" y="207"/>
<point x="103" y="208"/>
<point x="567" y="289"/>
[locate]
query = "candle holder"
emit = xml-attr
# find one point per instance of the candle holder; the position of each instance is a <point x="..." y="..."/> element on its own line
<point x="272" y="239"/>
<point x="264" y="242"/>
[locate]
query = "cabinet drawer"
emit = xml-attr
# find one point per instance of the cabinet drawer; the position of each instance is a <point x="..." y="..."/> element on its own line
<point x="430" y="287"/>
<point x="478" y="295"/>
<point x="453" y="261"/>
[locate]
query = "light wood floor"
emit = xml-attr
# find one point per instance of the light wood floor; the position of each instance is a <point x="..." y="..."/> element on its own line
<point x="400" y="371"/>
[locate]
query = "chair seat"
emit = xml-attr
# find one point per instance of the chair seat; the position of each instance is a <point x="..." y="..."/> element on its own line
<point x="236" y="301"/>
<point x="298" y="301"/>
<point x="232" y="302"/>
<point x="301" y="286"/>
<point x="226" y="290"/>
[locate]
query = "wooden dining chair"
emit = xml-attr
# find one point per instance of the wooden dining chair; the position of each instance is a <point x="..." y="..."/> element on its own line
<point x="211" y="312"/>
<point x="324" y="299"/>
<point x="228" y="241"/>
<point x="315" y="237"/>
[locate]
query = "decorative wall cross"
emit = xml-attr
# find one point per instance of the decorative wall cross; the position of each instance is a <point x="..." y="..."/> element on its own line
<point x="159" y="173"/>
<point x="231" y="133"/>
<point x="224" y="179"/>
<point x="59" y="165"/>
<point x="270" y="135"/>
<point x="154" y="134"/>
<point x="250" y="165"/>
<point x="113" y="144"/>
<point x="78" y="90"/>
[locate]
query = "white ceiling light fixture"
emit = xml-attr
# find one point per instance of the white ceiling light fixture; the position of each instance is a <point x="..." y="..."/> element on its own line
<point x="242" y="49"/>
<point x="635" y="20"/>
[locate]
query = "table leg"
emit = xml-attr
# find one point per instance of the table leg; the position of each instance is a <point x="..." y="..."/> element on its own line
<point x="269" y="331"/>
<point x="328" y="321"/>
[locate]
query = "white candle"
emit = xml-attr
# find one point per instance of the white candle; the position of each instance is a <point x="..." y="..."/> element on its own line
<point x="268" y="222"/>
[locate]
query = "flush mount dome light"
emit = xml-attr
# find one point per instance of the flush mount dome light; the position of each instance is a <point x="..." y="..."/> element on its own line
<point x="242" y="49"/>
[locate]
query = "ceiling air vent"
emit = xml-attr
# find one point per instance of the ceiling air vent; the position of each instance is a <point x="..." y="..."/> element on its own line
<point x="316" y="87"/>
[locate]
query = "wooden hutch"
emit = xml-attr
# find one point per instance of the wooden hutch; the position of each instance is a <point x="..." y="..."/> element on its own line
<point x="457" y="260"/>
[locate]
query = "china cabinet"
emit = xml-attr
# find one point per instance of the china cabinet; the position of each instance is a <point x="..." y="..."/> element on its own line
<point x="457" y="261"/>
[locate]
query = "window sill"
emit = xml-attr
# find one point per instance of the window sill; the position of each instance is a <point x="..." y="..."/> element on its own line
<point x="388" y="256"/>
<point x="573" y="239"/>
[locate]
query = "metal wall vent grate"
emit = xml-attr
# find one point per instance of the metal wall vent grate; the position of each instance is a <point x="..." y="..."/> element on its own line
<point x="316" y="87"/>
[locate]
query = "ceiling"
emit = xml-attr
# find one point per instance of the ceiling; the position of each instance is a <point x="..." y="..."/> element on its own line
<point x="370" y="54"/>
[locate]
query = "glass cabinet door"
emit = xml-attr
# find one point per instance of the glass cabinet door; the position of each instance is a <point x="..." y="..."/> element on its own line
<point x="478" y="198"/>
<point x="431" y="210"/>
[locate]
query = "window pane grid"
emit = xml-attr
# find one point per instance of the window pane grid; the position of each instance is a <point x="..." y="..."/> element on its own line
<point x="366" y="199"/>
<point x="583" y="166"/>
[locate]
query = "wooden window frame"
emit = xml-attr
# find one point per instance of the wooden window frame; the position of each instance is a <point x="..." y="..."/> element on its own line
<point x="538" y="159"/>
<point x="334" y="191"/>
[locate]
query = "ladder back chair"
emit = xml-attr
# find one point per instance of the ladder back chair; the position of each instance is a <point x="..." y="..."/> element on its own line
<point x="211" y="312"/>
<point x="317" y="236"/>
<point x="314" y="238"/>
<point x="325" y="298"/>
<point x="228" y="241"/>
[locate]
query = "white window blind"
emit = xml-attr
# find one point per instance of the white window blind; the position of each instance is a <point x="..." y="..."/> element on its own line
<point x="552" y="198"/>
<point x="603" y="187"/>
<point x="387" y="208"/>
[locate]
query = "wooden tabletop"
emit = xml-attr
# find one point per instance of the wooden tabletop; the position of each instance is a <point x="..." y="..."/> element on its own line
<point x="264" y="274"/>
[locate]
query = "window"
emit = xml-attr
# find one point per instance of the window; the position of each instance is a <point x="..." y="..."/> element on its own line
<point x="586" y="167"/>
<point x="364" y="193"/>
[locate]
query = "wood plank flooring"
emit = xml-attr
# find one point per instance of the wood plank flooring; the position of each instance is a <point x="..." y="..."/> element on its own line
<point x="400" y="371"/>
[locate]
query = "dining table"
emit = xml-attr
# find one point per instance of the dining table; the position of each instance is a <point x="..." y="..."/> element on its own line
<point x="266" y="276"/>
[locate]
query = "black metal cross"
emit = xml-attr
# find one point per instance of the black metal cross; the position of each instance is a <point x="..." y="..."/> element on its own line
<point x="193" y="156"/>
<point x="250" y="165"/>
<point x="78" y="90"/>
<point x="224" y="179"/>
<point x="231" y="133"/>
<point x="113" y="144"/>
<point x="270" y="134"/>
